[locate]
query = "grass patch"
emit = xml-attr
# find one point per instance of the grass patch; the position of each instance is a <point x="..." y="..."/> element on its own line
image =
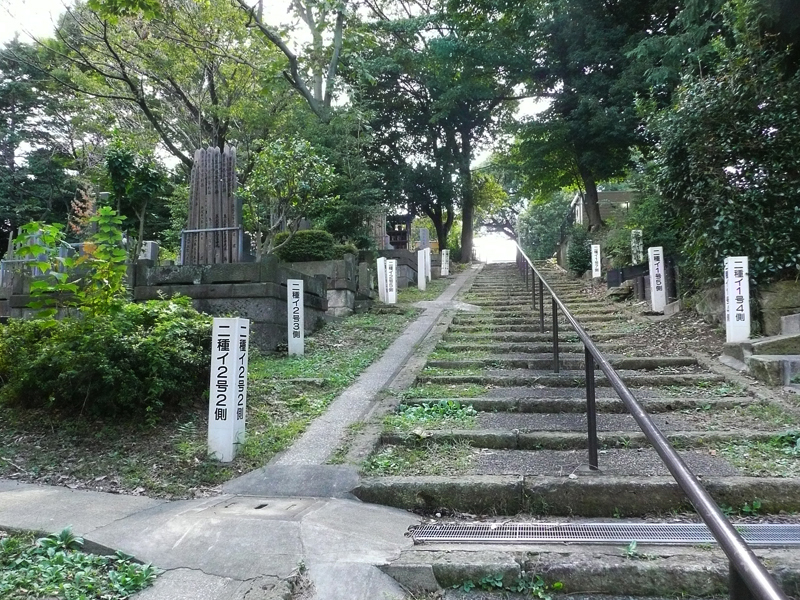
<point x="465" y="370"/>
<point x="54" y="567"/>
<point x="778" y="457"/>
<point x="437" y="390"/>
<point x="705" y="389"/>
<point x="432" y="291"/>
<point x="431" y="459"/>
<point x="169" y="460"/>
<point x="437" y="415"/>
<point x="339" y="456"/>
<point x="445" y="354"/>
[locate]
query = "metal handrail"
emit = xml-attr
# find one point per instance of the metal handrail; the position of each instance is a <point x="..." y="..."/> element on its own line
<point x="748" y="577"/>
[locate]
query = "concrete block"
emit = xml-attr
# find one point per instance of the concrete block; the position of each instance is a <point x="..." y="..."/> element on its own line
<point x="778" y="300"/>
<point x="779" y="344"/>
<point x="672" y="308"/>
<point x="774" y="369"/>
<point x="790" y="324"/>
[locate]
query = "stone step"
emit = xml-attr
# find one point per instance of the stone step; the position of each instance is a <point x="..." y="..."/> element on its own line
<point x="534" y="327"/>
<point x="493" y="320"/>
<point x="582" y="572"/>
<point x="649" y="492"/>
<point x="567" y="361"/>
<point x="604" y="404"/>
<point x="532" y="347"/>
<point x="530" y="443"/>
<point x="568" y="379"/>
<point x="529" y="336"/>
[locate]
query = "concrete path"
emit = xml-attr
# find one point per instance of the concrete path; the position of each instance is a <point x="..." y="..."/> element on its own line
<point x="293" y="521"/>
<point x="228" y="547"/>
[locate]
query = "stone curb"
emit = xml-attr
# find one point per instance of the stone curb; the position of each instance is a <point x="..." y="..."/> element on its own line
<point x="588" y="495"/>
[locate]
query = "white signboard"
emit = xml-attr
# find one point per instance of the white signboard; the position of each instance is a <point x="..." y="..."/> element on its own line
<point x="637" y="247"/>
<point x="737" y="299"/>
<point x="242" y="360"/>
<point x="222" y="394"/>
<point x="422" y="279"/>
<point x="658" y="289"/>
<point x="391" y="281"/>
<point x="596" y="261"/>
<point x="428" y="263"/>
<point x="382" y="279"/>
<point x="445" y="270"/>
<point x="296" y="313"/>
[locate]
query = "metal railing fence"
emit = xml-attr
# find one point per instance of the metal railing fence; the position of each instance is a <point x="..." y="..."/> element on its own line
<point x="748" y="578"/>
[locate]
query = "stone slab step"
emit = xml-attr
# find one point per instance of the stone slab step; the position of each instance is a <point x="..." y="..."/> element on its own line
<point x="604" y="404"/>
<point x="589" y="495"/>
<point x="568" y="379"/>
<point x="591" y="327"/>
<point x="567" y="361"/>
<point x="627" y="440"/>
<point x="583" y="572"/>
<point x="529" y="336"/>
<point x="492" y="321"/>
<point x="534" y="348"/>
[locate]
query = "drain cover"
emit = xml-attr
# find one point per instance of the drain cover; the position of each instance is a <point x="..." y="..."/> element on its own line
<point x="756" y="534"/>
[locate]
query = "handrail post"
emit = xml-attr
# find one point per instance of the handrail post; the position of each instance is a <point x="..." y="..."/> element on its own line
<point x="533" y="289"/>
<point x="737" y="588"/>
<point x="555" y="336"/>
<point x="591" y="409"/>
<point x="525" y="269"/>
<point x="541" y="305"/>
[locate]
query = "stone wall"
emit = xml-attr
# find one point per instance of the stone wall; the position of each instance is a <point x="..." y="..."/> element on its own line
<point x="256" y="291"/>
<point x="779" y="300"/>
<point x="406" y="266"/>
<point x="342" y="282"/>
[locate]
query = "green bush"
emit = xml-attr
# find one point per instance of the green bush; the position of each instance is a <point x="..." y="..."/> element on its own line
<point x="579" y="253"/>
<point x="136" y="363"/>
<point x="339" y="250"/>
<point x="305" y="245"/>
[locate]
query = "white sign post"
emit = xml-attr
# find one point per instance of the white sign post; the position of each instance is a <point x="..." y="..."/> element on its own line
<point x="424" y="238"/>
<point x="658" y="291"/>
<point x="382" y="279"/>
<point x="296" y="316"/>
<point x="222" y="425"/>
<point x="422" y="278"/>
<point x="596" y="261"/>
<point x="391" y="281"/>
<point x="242" y="364"/>
<point x="737" y="299"/>
<point x="445" y="269"/>
<point x="637" y="247"/>
<point x="428" y="263"/>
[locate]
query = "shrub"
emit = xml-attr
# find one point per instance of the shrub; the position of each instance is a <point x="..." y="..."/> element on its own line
<point x="136" y="363"/>
<point x="339" y="250"/>
<point x="579" y="253"/>
<point x="309" y="244"/>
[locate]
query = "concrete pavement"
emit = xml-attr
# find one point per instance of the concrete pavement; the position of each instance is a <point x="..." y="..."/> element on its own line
<point x="228" y="547"/>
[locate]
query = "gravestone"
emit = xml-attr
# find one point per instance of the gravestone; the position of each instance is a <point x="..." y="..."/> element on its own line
<point x="382" y="279"/>
<point x="424" y="238"/>
<point x="637" y="247"/>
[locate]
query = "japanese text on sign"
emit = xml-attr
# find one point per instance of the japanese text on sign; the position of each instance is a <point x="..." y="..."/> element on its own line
<point x="295" y="312"/>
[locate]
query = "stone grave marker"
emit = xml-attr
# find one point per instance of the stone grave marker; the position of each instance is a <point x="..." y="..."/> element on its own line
<point x="596" y="271"/>
<point x="445" y="268"/>
<point x="637" y="247"/>
<point x="422" y="278"/>
<point x="391" y="281"/>
<point x="382" y="279"/>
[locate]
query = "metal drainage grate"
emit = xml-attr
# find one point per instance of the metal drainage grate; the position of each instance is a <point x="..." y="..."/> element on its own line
<point x="756" y="534"/>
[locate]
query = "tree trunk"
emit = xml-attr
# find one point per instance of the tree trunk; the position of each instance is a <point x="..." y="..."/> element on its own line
<point x="467" y="198"/>
<point x="591" y="200"/>
<point x="442" y="225"/>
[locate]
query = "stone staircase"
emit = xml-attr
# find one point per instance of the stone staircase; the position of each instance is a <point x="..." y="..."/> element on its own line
<point x="519" y="449"/>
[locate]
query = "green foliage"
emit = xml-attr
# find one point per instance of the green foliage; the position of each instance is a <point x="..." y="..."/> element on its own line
<point x="339" y="250"/>
<point x="528" y="584"/>
<point x="54" y="566"/>
<point x="579" y="251"/>
<point x="290" y="181"/>
<point x="728" y="160"/>
<point x="540" y="224"/>
<point x="136" y="363"/>
<point x="93" y="281"/>
<point x="305" y="245"/>
<point x="444" y="413"/>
